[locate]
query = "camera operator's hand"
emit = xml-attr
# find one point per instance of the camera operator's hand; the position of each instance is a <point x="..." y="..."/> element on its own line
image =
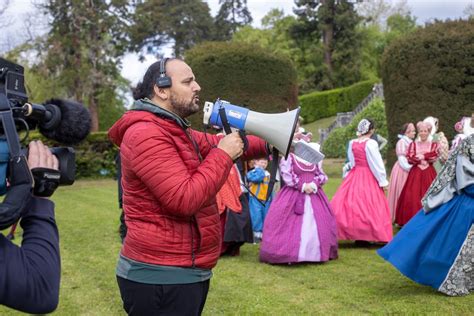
<point x="232" y="144"/>
<point x="45" y="169"/>
<point x="39" y="156"/>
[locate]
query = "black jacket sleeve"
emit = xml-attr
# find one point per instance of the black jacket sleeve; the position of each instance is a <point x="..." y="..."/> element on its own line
<point x="30" y="274"/>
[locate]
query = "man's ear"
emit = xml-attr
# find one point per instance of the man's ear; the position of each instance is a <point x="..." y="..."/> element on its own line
<point x="162" y="93"/>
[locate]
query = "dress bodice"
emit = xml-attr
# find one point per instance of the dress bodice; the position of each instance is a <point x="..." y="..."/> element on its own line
<point x="422" y="147"/>
<point x="305" y="171"/>
<point x="360" y="157"/>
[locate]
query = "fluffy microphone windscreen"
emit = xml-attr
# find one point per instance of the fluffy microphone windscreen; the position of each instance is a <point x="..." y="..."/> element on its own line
<point x="75" y="123"/>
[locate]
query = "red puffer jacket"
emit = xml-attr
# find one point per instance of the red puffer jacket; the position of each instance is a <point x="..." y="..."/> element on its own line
<point x="168" y="193"/>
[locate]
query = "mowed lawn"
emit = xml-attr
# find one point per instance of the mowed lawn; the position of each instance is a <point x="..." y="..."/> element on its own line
<point x="359" y="282"/>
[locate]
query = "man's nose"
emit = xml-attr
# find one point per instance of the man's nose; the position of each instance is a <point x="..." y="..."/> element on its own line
<point x="196" y="87"/>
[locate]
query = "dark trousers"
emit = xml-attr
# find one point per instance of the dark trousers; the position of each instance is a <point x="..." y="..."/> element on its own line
<point x="169" y="299"/>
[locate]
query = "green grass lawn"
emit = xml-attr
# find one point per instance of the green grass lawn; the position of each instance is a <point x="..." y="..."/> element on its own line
<point x="359" y="282"/>
<point x="313" y="127"/>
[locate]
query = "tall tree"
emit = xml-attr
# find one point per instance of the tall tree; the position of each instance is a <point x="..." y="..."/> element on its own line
<point x="83" y="47"/>
<point x="334" y="22"/>
<point x="232" y="15"/>
<point x="275" y="36"/>
<point x="159" y="23"/>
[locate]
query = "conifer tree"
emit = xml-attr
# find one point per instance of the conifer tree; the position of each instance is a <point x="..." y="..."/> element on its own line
<point x="334" y="23"/>
<point x="232" y="15"/>
<point x="158" y="23"/>
<point x="83" y="48"/>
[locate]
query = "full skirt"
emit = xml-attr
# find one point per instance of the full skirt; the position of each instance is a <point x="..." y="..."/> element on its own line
<point x="299" y="228"/>
<point x="437" y="249"/>
<point x="398" y="177"/>
<point x="417" y="184"/>
<point x="361" y="208"/>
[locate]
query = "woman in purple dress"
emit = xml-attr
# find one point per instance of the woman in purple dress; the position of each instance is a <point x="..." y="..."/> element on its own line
<point x="300" y="226"/>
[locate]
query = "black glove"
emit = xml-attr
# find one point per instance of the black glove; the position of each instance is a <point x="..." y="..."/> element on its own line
<point x="46" y="181"/>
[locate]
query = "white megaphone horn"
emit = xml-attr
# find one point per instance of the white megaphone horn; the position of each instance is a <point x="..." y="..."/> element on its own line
<point x="277" y="129"/>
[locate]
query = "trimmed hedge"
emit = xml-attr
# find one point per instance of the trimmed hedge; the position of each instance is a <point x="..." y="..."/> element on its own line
<point x="243" y="74"/>
<point x="95" y="156"/>
<point x="429" y="72"/>
<point x="318" y="105"/>
<point x="335" y="145"/>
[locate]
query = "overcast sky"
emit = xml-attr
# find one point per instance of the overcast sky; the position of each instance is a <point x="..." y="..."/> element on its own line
<point x="424" y="10"/>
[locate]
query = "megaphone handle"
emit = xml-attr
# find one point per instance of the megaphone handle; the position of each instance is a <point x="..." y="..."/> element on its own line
<point x="228" y="130"/>
<point x="244" y="139"/>
<point x="225" y="122"/>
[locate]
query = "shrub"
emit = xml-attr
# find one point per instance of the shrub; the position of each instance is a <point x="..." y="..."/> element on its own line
<point x="336" y="144"/>
<point x="429" y="72"/>
<point x="318" y="105"/>
<point x="245" y="75"/>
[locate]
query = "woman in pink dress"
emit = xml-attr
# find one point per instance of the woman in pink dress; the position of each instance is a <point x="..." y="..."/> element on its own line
<point x="400" y="169"/>
<point x="360" y="205"/>
<point x="421" y="154"/>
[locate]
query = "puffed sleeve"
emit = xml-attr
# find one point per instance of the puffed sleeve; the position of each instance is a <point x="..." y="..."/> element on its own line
<point x="350" y="154"/>
<point x="401" y="149"/>
<point x="374" y="159"/>
<point x="320" y="177"/>
<point x="411" y="154"/>
<point x="286" y="172"/>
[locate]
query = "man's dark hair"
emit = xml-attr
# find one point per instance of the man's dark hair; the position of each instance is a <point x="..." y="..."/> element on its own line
<point x="144" y="89"/>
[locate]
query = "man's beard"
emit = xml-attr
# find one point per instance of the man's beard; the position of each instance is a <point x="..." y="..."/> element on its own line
<point x="182" y="107"/>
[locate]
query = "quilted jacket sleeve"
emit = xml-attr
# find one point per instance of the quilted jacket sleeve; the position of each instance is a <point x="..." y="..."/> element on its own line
<point x="159" y="165"/>
<point x="257" y="146"/>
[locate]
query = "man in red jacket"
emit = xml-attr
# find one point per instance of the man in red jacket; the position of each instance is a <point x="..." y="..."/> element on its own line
<point x="170" y="177"/>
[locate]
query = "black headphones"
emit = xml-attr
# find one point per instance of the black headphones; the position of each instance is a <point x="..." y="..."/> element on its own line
<point x="163" y="81"/>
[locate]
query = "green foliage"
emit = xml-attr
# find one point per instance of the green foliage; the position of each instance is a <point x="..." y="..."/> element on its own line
<point x="78" y="58"/>
<point x="275" y="36"/>
<point x="156" y="23"/>
<point x="318" y="105"/>
<point x="375" y="38"/>
<point x="335" y="22"/>
<point x="430" y="72"/>
<point x="336" y="144"/>
<point x="95" y="156"/>
<point x="245" y="75"/>
<point x="232" y="15"/>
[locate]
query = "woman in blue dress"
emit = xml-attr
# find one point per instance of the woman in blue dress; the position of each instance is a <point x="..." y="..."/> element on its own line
<point x="436" y="247"/>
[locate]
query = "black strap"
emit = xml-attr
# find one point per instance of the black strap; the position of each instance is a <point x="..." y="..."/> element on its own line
<point x="273" y="171"/>
<point x="21" y="180"/>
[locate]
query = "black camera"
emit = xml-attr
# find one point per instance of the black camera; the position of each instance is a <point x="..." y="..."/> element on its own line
<point x="64" y="121"/>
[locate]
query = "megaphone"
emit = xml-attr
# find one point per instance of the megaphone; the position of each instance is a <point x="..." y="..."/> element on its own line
<point x="277" y="129"/>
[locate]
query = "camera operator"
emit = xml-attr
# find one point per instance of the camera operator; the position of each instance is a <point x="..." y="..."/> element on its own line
<point x="29" y="275"/>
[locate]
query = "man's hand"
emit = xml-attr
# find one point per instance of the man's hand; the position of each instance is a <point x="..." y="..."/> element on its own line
<point x="232" y="144"/>
<point x="39" y="156"/>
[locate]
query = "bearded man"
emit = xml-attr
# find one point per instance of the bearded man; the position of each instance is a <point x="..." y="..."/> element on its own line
<point x="170" y="177"/>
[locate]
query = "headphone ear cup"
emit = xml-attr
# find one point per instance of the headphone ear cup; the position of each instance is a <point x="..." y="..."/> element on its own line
<point x="163" y="82"/>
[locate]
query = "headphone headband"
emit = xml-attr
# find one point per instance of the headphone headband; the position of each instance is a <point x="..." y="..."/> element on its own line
<point x="163" y="81"/>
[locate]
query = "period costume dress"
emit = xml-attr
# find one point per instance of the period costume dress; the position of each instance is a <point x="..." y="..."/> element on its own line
<point x="299" y="227"/>
<point x="399" y="174"/>
<point x="436" y="247"/>
<point x="360" y="205"/>
<point x="419" y="179"/>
